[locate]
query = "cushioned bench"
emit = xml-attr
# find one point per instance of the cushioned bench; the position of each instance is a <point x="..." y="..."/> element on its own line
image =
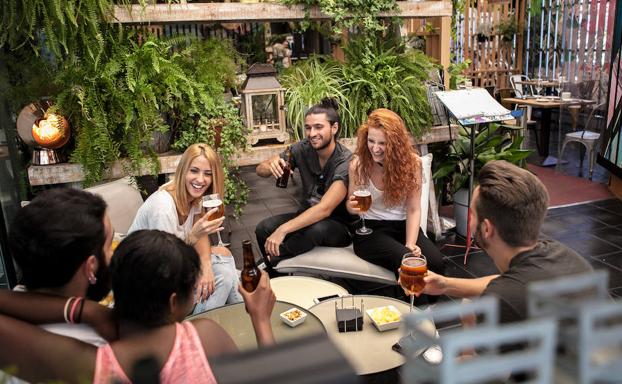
<point x="342" y="262"/>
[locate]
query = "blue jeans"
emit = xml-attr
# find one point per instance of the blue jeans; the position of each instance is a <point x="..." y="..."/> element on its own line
<point x="225" y="285"/>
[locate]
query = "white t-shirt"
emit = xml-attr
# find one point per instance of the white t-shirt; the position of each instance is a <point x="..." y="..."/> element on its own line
<point x="379" y="211"/>
<point x="159" y="212"/>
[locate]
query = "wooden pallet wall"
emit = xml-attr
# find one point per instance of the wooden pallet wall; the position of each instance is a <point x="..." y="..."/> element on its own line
<point x="493" y="60"/>
<point x="570" y="38"/>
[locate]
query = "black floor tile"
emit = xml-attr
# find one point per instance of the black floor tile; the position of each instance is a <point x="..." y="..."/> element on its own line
<point x="587" y="245"/>
<point x="559" y="226"/>
<point x="611" y="235"/>
<point x="606" y="216"/>
<point x="610" y="204"/>
<point x="615" y="277"/>
<point x="612" y="259"/>
<point x="456" y="269"/>
<point x="616" y="292"/>
<point x="478" y="264"/>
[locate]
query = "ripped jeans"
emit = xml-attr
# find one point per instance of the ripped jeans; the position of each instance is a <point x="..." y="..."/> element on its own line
<point x="226" y="281"/>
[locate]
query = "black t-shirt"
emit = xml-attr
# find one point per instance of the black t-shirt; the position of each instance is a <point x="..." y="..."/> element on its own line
<point x="317" y="180"/>
<point x="548" y="260"/>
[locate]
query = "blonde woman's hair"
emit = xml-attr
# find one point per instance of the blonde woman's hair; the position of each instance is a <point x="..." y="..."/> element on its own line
<point x="177" y="187"/>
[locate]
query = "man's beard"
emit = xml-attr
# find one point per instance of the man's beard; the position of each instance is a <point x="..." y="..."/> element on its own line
<point x="102" y="286"/>
<point x="325" y="145"/>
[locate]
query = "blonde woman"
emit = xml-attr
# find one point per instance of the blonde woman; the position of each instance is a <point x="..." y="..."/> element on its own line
<point x="176" y="208"/>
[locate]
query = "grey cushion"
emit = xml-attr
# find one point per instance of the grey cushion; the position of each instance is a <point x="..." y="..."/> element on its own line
<point x="336" y="262"/>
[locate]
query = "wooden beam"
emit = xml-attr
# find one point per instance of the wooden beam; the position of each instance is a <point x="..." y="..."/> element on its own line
<point x="196" y="12"/>
<point x="71" y="172"/>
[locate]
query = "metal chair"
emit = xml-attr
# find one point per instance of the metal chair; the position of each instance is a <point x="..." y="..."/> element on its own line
<point x="532" y="348"/>
<point x="522" y="91"/>
<point x="586" y="137"/>
<point x="564" y="299"/>
<point x="600" y="341"/>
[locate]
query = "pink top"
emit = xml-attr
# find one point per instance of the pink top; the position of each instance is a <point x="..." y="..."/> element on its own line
<point x="186" y="363"/>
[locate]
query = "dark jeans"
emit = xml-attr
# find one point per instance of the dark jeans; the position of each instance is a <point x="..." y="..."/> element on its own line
<point x="385" y="246"/>
<point x="328" y="232"/>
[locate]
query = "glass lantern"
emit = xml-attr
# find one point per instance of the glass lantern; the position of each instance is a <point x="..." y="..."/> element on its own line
<point x="263" y="108"/>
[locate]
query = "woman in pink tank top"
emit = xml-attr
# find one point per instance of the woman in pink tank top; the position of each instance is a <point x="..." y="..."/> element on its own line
<point x="154" y="275"/>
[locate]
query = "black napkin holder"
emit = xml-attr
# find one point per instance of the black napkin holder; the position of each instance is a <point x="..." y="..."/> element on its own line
<point x="349" y="319"/>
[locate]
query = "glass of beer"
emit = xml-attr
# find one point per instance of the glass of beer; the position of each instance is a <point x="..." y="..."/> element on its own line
<point x="214" y="201"/>
<point x="363" y="197"/>
<point x="412" y="271"/>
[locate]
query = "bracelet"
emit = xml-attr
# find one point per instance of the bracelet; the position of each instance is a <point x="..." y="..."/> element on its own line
<point x="79" y="315"/>
<point x="65" y="314"/>
<point x="73" y="309"/>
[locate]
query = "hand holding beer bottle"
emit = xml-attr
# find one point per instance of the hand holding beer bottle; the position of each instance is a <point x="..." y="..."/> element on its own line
<point x="285" y="166"/>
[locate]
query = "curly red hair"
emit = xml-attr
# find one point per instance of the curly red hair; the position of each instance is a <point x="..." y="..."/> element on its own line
<point x="401" y="166"/>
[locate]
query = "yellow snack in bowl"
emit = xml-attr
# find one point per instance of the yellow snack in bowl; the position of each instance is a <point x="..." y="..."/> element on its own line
<point x="385" y="315"/>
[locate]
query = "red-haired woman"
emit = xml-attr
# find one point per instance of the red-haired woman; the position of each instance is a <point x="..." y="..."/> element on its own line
<point x="387" y="165"/>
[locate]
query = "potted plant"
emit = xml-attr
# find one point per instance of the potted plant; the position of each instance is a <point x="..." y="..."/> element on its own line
<point x="452" y="165"/>
<point x="507" y="29"/>
<point x="483" y="31"/>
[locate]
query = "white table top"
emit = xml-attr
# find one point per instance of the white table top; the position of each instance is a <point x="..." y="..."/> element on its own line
<point x="234" y="319"/>
<point x="301" y="290"/>
<point x="369" y="351"/>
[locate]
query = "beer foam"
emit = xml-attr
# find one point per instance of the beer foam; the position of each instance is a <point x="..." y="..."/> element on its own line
<point x="362" y="193"/>
<point x="213" y="203"/>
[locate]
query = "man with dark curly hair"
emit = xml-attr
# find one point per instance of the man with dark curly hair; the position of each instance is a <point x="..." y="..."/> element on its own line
<point x="323" y="165"/>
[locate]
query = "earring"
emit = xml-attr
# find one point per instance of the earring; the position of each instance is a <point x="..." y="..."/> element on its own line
<point x="92" y="279"/>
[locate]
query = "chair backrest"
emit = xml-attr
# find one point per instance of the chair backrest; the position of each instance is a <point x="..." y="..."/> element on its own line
<point x="517" y="348"/>
<point x="486" y="309"/>
<point x="600" y="335"/>
<point x="521" y="89"/>
<point x="123" y="201"/>
<point x="532" y="352"/>
<point x="563" y="297"/>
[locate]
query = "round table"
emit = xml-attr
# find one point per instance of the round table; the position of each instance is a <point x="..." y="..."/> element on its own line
<point x="369" y="351"/>
<point x="301" y="290"/>
<point x="234" y="319"/>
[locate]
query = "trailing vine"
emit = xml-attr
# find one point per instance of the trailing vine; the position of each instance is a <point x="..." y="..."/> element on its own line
<point x="362" y="14"/>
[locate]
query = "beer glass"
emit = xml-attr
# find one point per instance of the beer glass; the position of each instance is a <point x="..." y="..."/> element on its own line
<point x="363" y="198"/>
<point x="412" y="271"/>
<point x="214" y="201"/>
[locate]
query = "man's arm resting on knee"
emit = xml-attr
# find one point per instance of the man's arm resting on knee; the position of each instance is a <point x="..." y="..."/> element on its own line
<point x="331" y="199"/>
<point x="452" y="286"/>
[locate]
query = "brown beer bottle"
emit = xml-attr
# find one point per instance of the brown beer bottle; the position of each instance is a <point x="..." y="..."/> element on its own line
<point x="250" y="273"/>
<point x="282" y="181"/>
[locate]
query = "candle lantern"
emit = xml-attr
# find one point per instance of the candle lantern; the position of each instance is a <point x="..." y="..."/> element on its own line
<point x="263" y="106"/>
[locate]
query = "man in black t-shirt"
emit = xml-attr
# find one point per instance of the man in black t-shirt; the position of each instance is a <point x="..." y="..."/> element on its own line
<point x="323" y="166"/>
<point x="507" y="210"/>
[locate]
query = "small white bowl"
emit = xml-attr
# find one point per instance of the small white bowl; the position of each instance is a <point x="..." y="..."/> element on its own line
<point x="296" y="321"/>
<point x="374" y="312"/>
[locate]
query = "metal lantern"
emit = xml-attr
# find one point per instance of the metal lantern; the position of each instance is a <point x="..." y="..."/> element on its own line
<point x="264" y="104"/>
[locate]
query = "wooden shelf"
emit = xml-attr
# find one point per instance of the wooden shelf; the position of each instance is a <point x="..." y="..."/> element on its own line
<point x="71" y="172"/>
<point x="223" y="12"/>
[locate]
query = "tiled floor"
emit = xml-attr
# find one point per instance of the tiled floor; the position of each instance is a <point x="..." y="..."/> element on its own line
<point x="594" y="230"/>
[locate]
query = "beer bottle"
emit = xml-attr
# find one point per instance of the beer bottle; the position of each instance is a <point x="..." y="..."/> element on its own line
<point x="250" y="273"/>
<point x="282" y="181"/>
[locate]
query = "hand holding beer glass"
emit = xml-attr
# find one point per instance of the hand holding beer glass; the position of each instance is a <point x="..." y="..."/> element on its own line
<point x="363" y="198"/>
<point x="412" y="271"/>
<point x="214" y="201"/>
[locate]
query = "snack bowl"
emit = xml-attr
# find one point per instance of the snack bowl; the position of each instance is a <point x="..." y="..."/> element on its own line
<point x="293" y="317"/>
<point x="385" y="318"/>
